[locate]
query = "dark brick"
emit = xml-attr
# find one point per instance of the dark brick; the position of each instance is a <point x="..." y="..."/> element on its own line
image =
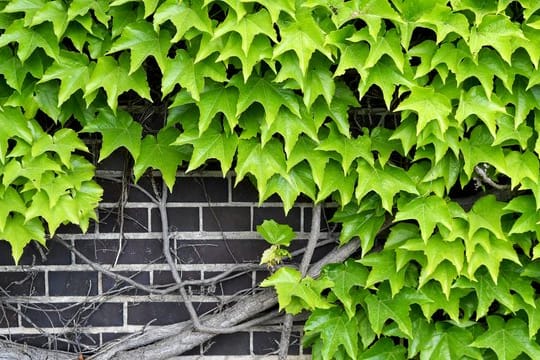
<point x="156" y="313"/>
<point x="8" y="318"/>
<point x="121" y="287"/>
<point x="75" y="229"/>
<point x="134" y="251"/>
<point x="265" y="343"/>
<point x="244" y="191"/>
<point x="219" y="251"/>
<point x="230" y="286"/>
<point x="73" y="315"/>
<point x="135" y="220"/>
<point x="55" y="255"/>
<point x="278" y="215"/>
<point x="72" y="283"/>
<point x="165" y="277"/>
<point x="326" y="216"/>
<point x="180" y="219"/>
<point x="226" y="219"/>
<point x="228" y="344"/>
<point x="118" y="160"/>
<point x="107" y="337"/>
<point x="200" y="189"/>
<point x="23" y="283"/>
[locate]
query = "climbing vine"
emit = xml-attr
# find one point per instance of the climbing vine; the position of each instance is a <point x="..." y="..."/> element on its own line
<point x="418" y="118"/>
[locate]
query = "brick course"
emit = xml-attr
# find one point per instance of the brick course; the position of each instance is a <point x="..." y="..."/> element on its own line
<point x="213" y="225"/>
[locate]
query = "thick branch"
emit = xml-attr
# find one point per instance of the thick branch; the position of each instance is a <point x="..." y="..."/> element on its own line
<point x="13" y="351"/>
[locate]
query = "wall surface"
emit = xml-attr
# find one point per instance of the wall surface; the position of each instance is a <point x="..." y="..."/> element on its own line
<point x="55" y="299"/>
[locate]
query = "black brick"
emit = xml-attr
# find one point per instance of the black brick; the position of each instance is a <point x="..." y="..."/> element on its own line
<point x="23" y="283"/>
<point x="109" y="284"/>
<point x="56" y="254"/>
<point x="165" y="277"/>
<point x="199" y="189"/>
<point x="278" y="215"/>
<point x="219" y="251"/>
<point x="72" y="283"/>
<point x="180" y="219"/>
<point x="134" y="251"/>
<point x="106" y="337"/>
<point x="75" y="229"/>
<point x="135" y="220"/>
<point x="244" y="191"/>
<point x="226" y="219"/>
<point x="233" y="344"/>
<point x="230" y="286"/>
<point x="8" y="318"/>
<point x="74" y="315"/>
<point x="156" y="313"/>
<point x="265" y="343"/>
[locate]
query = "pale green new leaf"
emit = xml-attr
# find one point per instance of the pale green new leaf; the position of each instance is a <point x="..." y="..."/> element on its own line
<point x="276" y="234"/>
<point x="19" y="232"/>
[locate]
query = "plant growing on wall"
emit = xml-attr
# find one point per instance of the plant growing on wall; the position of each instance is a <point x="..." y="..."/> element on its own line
<point x="418" y="118"/>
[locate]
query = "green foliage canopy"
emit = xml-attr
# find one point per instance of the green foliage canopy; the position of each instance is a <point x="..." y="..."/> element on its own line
<point x="287" y="93"/>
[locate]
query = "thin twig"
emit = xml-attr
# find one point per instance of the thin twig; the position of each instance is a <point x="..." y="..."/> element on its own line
<point x="484" y="178"/>
<point x="304" y="266"/>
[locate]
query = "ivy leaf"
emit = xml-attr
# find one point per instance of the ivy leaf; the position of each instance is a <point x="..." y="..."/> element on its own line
<point x="384" y="349"/>
<point x="302" y="36"/>
<point x="507" y="339"/>
<point x="13" y="125"/>
<point x="19" y="233"/>
<point x="289" y="285"/>
<point x="114" y="77"/>
<point x="251" y="154"/>
<point x="72" y="70"/>
<point x="213" y="144"/>
<point x="12" y="69"/>
<point x="333" y="180"/>
<point x="181" y="70"/>
<point x="117" y="131"/>
<point x="345" y="277"/>
<point x="428" y="105"/>
<point x="249" y="26"/>
<point x="305" y="149"/>
<point x="142" y="41"/>
<point x="364" y="224"/>
<point x="158" y="153"/>
<point x="486" y="214"/>
<point x="31" y="168"/>
<point x="526" y="206"/>
<point x="218" y="100"/>
<point x="55" y="12"/>
<point x="275" y="7"/>
<point x="383" y="267"/>
<point x="29" y="40"/>
<point x="276" y="234"/>
<point x="11" y="202"/>
<point x="348" y="149"/>
<point x="386" y="182"/>
<point x="382" y="307"/>
<point x="270" y="96"/>
<point x="64" y="142"/>
<point x="475" y="102"/>
<point x="428" y="212"/>
<point x="184" y="17"/>
<point x="335" y="330"/>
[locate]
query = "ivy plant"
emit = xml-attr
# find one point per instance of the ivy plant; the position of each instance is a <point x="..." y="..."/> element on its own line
<point x="417" y="117"/>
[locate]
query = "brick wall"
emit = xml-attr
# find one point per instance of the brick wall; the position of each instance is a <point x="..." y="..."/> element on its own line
<point x="213" y="226"/>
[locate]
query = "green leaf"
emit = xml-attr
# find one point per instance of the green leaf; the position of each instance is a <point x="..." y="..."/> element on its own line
<point x="335" y="330"/>
<point x="114" y="78"/>
<point x="64" y="142"/>
<point x="345" y="277"/>
<point x="251" y="154"/>
<point x="184" y="17"/>
<point x="13" y="125"/>
<point x="249" y="26"/>
<point x="384" y="349"/>
<point x="218" y="100"/>
<point x="383" y="267"/>
<point x="55" y="12"/>
<point x="19" y="233"/>
<point x="11" y="202"/>
<point x="117" y="131"/>
<point x="142" y="41"/>
<point x="348" y="149"/>
<point x="213" y="144"/>
<point x="386" y="182"/>
<point x="428" y="105"/>
<point x="507" y="339"/>
<point x="428" y="212"/>
<point x="29" y="40"/>
<point x="302" y="36"/>
<point x="382" y="307"/>
<point x="363" y="224"/>
<point x="276" y="234"/>
<point x="528" y="221"/>
<point x="270" y="96"/>
<point x="158" y="153"/>
<point x="290" y="286"/>
<point x="486" y="214"/>
<point x="334" y="181"/>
